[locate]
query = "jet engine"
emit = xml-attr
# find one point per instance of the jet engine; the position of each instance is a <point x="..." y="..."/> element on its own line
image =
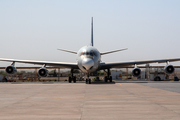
<point x="10" y="69"/>
<point x="136" y="72"/>
<point x="169" y="69"/>
<point x="43" y="72"/>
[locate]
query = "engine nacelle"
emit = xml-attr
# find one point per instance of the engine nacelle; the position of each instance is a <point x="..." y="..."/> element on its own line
<point x="136" y="72"/>
<point x="43" y="72"/>
<point x="169" y="69"/>
<point x="10" y="69"/>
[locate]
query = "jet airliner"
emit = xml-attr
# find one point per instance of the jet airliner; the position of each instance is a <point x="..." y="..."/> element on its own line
<point x="89" y="60"/>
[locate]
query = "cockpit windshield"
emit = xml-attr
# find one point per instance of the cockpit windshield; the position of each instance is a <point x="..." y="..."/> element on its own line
<point x="88" y="53"/>
<point x="91" y="53"/>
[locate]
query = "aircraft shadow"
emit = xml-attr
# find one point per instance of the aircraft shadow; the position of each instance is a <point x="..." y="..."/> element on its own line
<point x="99" y="82"/>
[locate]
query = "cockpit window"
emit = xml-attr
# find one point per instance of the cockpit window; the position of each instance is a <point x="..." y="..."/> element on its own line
<point x="91" y="53"/>
<point x="87" y="53"/>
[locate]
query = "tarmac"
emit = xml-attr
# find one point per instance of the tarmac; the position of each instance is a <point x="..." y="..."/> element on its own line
<point x="80" y="101"/>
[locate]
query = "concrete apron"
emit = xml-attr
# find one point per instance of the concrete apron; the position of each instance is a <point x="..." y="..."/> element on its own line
<point x="79" y="101"/>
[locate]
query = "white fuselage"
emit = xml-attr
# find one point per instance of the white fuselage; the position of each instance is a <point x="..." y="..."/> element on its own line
<point x="88" y="59"/>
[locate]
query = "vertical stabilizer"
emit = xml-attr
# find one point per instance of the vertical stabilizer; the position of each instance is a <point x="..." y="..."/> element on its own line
<point x="92" y="31"/>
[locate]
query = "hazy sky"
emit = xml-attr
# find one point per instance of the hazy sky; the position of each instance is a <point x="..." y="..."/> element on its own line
<point x="34" y="29"/>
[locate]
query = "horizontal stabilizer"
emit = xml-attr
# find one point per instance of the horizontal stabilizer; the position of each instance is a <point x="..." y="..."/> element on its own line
<point x="113" y="51"/>
<point x="68" y="51"/>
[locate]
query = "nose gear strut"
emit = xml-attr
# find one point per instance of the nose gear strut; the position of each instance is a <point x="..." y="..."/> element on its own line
<point x="88" y="80"/>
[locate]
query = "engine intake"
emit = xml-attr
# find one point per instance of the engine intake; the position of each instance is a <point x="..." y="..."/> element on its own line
<point x="43" y="72"/>
<point x="10" y="69"/>
<point x="169" y="69"/>
<point x="136" y="72"/>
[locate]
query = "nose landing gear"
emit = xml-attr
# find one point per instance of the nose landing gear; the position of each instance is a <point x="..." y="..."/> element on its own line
<point x="88" y="80"/>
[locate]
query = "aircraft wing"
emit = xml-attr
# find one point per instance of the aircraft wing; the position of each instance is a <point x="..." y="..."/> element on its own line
<point x="48" y="63"/>
<point x="130" y="63"/>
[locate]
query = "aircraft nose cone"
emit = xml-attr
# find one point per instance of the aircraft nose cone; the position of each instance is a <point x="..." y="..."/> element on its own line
<point x="87" y="63"/>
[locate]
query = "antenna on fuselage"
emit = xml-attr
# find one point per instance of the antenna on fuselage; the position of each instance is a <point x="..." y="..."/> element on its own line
<point x="92" y="31"/>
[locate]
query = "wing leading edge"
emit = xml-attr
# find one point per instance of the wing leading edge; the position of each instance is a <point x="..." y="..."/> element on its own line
<point x="47" y="63"/>
<point x="129" y="63"/>
<point x="113" y="51"/>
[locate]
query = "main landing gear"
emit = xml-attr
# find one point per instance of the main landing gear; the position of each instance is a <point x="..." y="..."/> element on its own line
<point x="88" y="80"/>
<point x="72" y="78"/>
<point x="108" y="77"/>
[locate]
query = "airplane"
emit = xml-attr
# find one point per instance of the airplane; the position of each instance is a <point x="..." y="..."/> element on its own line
<point x="89" y="60"/>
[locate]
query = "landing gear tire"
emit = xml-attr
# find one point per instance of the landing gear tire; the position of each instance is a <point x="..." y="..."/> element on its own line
<point x="74" y="79"/>
<point x="70" y="79"/>
<point x="89" y="81"/>
<point x="110" y="78"/>
<point x="105" y="79"/>
<point x="86" y="81"/>
<point x="157" y="78"/>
